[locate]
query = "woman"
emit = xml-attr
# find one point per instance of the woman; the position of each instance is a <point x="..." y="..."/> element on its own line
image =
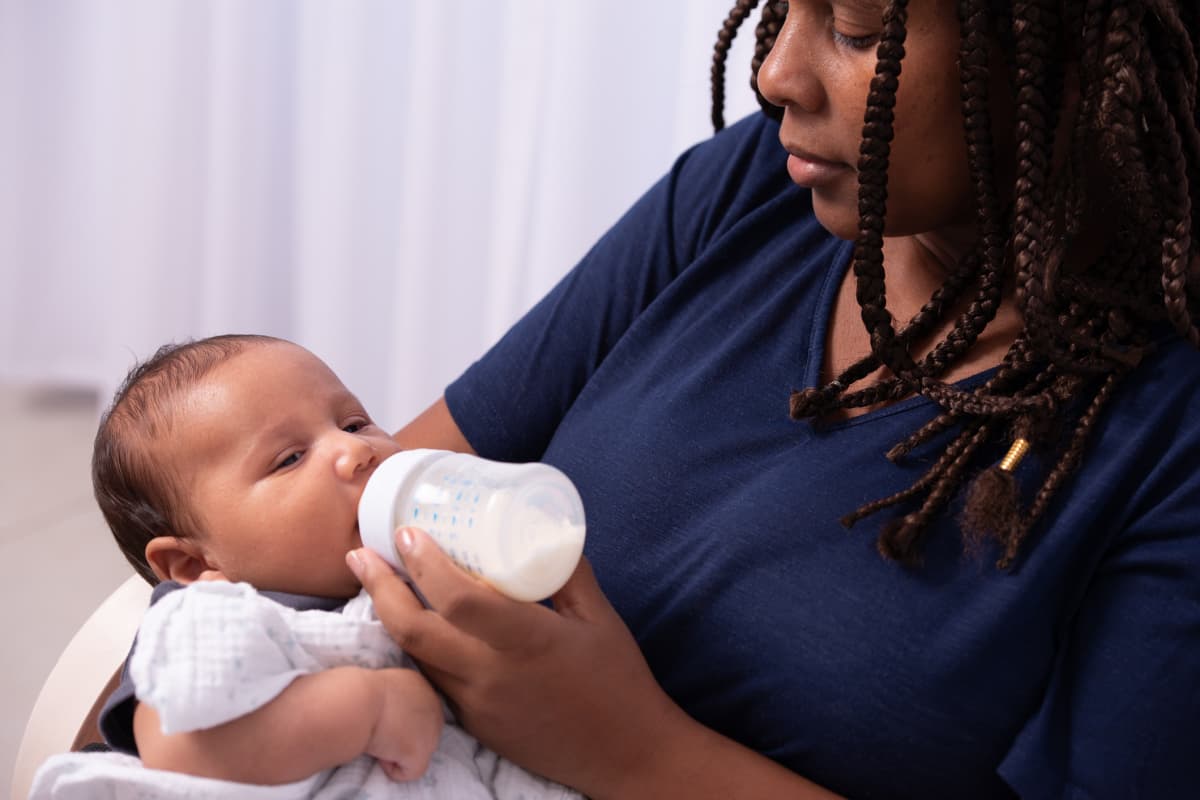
<point x="722" y="376"/>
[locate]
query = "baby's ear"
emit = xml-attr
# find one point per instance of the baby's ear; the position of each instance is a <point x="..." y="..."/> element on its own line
<point x="175" y="559"/>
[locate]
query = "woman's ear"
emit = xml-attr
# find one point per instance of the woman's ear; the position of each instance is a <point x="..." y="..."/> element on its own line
<point x="175" y="559"/>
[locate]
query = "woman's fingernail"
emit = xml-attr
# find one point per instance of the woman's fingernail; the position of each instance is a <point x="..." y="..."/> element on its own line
<point x="404" y="540"/>
<point x="355" y="561"/>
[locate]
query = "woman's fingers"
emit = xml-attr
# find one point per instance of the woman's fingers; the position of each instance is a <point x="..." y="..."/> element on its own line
<point x="420" y="632"/>
<point x="463" y="600"/>
<point x="564" y="691"/>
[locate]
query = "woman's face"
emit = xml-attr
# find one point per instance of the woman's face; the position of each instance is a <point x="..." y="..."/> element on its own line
<point x="820" y="71"/>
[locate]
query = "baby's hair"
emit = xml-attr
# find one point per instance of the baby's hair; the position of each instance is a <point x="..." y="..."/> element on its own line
<point x="138" y="494"/>
<point x="1083" y="328"/>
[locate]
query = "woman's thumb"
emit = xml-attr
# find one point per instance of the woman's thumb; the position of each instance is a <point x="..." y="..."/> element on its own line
<point x="581" y="595"/>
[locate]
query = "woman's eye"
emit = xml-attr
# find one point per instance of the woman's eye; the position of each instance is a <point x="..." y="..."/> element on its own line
<point x="855" y="42"/>
<point x="292" y="458"/>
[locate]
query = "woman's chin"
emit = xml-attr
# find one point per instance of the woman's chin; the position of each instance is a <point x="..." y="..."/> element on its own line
<point x="839" y="220"/>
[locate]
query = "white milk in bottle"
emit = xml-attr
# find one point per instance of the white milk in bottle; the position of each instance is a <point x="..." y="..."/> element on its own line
<point x="520" y="527"/>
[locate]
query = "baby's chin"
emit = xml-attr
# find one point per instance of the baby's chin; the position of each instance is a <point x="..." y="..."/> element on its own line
<point x="335" y="587"/>
<point x="352" y="587"/>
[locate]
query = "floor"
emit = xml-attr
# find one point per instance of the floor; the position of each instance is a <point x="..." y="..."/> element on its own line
<point x="53" y="544"/>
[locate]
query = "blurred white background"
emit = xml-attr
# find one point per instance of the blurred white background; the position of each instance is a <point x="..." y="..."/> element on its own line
<point x="390" y="183"/>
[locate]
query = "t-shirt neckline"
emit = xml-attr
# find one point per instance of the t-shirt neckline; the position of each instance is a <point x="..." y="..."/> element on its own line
<point x="839" y="265"/>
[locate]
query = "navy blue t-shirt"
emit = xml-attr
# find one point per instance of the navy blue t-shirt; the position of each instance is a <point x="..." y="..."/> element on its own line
<point x="657" y="376"/>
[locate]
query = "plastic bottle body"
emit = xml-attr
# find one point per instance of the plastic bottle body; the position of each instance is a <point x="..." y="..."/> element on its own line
<point x="520" y="527"/>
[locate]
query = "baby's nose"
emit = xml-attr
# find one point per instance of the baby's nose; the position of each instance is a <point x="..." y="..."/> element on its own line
<point x="354" y="456"/>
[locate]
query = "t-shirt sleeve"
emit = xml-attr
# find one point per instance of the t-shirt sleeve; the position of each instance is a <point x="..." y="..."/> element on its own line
<point x="116" y="716"/>
<point x="1120" y="716"/>
<point x="509" y="403"/>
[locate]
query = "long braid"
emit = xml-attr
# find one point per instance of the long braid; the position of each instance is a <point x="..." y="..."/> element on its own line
<point x="935" y="473"/>
<point x="1181" y="71"/>
<point x="1034" y="141"/>
<point x="1086" y="325"/>
<point x="721" y="54"/>
<point x="818" y="401"/>
<point x="891" y="349"/>
<point x="769" y="23"/>
<point x="1175" y="206"/>
<point x="1061" y="471"/>
<point x="901" y="538"/>
<point x="1013" y="371"/>
<point x="874" y="156"/>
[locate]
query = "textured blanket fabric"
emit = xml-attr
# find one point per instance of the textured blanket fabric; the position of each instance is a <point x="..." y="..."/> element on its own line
<point x="214" y="651"/>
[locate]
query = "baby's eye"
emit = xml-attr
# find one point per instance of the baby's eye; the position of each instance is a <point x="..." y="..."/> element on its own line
<point x="290" y="459"/>
<point x="354" y="427"/>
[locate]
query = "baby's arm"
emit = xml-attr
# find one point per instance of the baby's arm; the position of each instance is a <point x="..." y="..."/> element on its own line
<point x="318" y="722"/>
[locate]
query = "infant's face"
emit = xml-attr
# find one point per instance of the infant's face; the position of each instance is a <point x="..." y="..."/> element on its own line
<point x="273" y="453"/>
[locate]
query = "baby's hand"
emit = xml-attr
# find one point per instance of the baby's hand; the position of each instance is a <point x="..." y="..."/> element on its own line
<point x="409" y="725"/>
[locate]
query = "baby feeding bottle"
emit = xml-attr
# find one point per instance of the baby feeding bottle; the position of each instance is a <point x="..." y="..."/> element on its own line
<point x="520" y="527"/>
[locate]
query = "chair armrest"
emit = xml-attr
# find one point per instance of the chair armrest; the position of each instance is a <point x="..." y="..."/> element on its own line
<point x="80" y="680"/>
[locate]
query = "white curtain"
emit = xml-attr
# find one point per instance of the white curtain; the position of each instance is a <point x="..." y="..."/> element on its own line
<point x="389" y="182"/>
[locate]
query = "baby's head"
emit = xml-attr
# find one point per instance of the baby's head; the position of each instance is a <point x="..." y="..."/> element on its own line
<point x="240" y="457"/>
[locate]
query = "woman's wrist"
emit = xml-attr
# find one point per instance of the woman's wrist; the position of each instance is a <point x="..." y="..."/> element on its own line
<point x="656" y="759"/>
<point x="682" y="753"/>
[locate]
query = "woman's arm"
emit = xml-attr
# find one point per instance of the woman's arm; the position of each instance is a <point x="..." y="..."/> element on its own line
<point x="434" y="428"/>
<point x="318" y="722"/>
<point x="563" y="692"/>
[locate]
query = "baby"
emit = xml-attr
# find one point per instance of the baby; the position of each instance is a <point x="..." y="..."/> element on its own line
<point x="229" y="470"/>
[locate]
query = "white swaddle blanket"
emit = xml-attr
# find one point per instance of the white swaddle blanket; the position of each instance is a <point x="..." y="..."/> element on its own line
<point x="214" y="651"/>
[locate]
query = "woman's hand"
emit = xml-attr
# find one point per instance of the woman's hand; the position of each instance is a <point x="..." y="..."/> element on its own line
<point x="563" y="692"/>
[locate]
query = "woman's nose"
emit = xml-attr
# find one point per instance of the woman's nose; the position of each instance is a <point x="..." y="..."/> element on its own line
<point x="789" y="76"/>
<point x="353" y="455"/>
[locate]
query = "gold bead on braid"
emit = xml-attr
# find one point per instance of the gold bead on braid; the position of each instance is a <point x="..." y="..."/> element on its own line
<point x="1015" y="453"/>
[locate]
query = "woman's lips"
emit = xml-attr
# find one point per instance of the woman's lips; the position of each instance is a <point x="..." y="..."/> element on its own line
<point x="810" y="171"/>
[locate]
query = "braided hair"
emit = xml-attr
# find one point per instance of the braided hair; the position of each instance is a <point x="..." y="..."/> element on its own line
<point x="1085" y="326"/>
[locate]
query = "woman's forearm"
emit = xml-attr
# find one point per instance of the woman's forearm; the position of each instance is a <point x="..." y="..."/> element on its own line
<point x="693" y="761"/>
<point x="319" y="721"/>
<point x="435" y="428"/>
